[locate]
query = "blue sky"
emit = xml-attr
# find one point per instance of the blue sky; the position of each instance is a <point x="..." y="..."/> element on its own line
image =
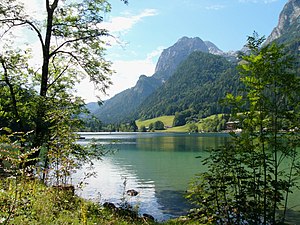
<point x="144" y="28"/>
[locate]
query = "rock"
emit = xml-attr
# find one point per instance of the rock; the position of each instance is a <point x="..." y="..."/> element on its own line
<point x="288" y="16"/>
<point x="148" y="217"/>
<point x="132" y="192"/>
<point x="109" y="205"/>
<point x="171" y="57"/>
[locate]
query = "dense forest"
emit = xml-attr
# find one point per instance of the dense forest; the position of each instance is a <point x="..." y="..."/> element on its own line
<point x="197" y="86"/>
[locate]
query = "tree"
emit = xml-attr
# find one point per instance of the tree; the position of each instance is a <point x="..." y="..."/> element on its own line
<point x="16" y="93"/>
<point x="72" y="47"/>
<point x="143" y="128"/>
<point x="180" y="118"/>
<point x="158" y="125"/>
<point x="151" y="127"/>
<point x="132" y="126"/>
<point x="252" y="176"/>
<point x="193" y="128"/>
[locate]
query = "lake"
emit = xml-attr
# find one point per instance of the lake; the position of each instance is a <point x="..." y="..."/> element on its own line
<point x="157" y="165"/>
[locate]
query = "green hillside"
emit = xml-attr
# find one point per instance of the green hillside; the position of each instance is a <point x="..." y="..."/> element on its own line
<point x="197" y="86"/>
<point x="167" y="120"/>
<point x="213" y="123"/>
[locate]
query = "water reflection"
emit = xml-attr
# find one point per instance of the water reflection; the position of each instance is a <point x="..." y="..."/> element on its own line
<point x="157" y="165"/>
<point x="173" y="202"/>
<point x="187" y="143"/>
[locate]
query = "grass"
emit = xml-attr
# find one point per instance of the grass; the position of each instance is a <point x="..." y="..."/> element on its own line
<point x="25" y="201"/>
<point x="167" y="120"/>
<point x="31" y="202"/>
<point x="184" y="128"/>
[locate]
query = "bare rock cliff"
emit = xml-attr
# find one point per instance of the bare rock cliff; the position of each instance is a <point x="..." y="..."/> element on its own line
<point x="288" y="16"/>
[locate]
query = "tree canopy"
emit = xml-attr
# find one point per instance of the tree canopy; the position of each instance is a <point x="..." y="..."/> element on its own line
<point x="195" y="89"/>
<point x="37" y="96"/>
<point x="249" y="179"/>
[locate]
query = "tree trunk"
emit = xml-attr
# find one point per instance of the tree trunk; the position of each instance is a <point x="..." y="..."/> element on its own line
<point x="42" y="129"/>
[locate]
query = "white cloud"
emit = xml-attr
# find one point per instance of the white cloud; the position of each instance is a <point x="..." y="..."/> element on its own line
<point x="215" y="7"/>
<point x="126" y="22"/>
<point x="258" y="1"/>
<point x="127" y="72"/>
<point x="118" y="26"/>
<point x="34" y="8"/>
<point x="126" y="76"/>
<point x="154" y="54"/>
<point x="200" y="5"/>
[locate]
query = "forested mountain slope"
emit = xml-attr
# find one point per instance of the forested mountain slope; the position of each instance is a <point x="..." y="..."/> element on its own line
<point x="190" y="89"/>
<point x="118" y="108"/>
<point x="186" y="90"/>
<point x="197" y="85"/>
<point x="121" y="107"/>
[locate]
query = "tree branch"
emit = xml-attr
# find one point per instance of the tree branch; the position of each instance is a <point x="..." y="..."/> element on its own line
<point x="67" y="53"/>
<point x="54" y="5"/>
<point x="59" y="76"/>
<point x="76" y="40"/>
<point x="24" y="22"/>
<point x="12" y="94"/>
<point x="47" y="5"/>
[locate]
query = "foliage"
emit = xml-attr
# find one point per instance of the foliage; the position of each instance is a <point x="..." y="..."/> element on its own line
<point x="39" y="111"/>
<point x="197" y="86"/>
<point x="157" y="125"/>
<point x="131" y="126"/>
<point x="14" y="153"/>
<point x="249" y="180"/>
<point x="151" y="127"/>
<point x="143" y="129"/>
<point x="28" y="201"/>
<point x="16" y="92"/>
<point x="123" y="127"/>
<point x="181" y="118"/>
<point x="167" y="121"/>
<point x="214" y="123"/>
<point x="72" y="47"/>
<point x="193" y="128"/>
<point x="92" y="124"/>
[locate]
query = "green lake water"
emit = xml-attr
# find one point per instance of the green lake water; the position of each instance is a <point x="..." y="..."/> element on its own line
<point x="157" y="165"/>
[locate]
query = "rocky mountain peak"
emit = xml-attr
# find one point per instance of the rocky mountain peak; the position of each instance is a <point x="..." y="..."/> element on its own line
<point x="288" y="16"/>
<point x="174" y="55"/>
<point x="213" y="49"/>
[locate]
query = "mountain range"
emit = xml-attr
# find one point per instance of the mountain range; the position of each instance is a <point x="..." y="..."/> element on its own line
<point x="192" y="75"/>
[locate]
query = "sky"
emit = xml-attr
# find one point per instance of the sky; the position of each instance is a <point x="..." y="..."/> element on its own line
<point x="143" y="28"/>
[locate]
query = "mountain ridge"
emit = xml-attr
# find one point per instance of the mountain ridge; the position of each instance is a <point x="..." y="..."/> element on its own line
<point x="197" y="86"/>
<point x="288" y="16"/>
<point x="122" y="106"/>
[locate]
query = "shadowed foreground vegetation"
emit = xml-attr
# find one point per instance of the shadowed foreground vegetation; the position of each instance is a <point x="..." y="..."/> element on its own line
<point x="29" y="201"/>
